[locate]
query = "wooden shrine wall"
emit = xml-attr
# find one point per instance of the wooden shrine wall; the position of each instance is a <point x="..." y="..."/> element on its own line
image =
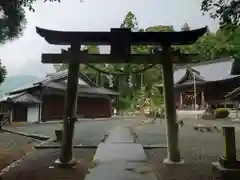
<point x="87" y="107"/>
<point x="94" y="107"/>
<point x="213" y="93"/>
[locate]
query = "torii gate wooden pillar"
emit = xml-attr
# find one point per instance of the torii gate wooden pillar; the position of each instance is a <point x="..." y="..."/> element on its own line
<point x="120" y="41"/>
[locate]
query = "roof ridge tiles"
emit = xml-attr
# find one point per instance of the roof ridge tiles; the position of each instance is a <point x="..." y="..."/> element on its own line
<point x="206" y="62"/>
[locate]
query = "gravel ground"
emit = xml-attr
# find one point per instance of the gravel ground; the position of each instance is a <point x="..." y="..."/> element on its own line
<point x="198" y="149"/>
<point x="13" y="147"/>
<point x="36" y="166"/>
<point x="194" y="168"/>
<point x="86" y="132"/>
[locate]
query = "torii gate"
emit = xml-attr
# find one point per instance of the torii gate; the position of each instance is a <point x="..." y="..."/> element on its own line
<point x="120" y="40"/>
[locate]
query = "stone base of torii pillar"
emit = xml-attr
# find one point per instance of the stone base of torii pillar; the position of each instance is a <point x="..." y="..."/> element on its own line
<point x="68" y="165"/>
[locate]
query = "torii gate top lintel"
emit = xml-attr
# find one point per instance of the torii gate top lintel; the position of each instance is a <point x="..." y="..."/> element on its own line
<point x="119" y="34"/>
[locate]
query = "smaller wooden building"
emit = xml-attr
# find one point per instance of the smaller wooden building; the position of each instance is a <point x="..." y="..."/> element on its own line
<point x="45" y="100"/>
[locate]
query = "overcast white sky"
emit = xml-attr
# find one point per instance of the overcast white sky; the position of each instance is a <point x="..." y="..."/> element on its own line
<point x="23" y="55"/>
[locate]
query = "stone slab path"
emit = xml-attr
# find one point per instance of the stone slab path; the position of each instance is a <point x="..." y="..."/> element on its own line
<point x="121" y="171"/>
<point x="120" y="158"/>
<point x="127" y="152"/>
<point x="120" y="134"/>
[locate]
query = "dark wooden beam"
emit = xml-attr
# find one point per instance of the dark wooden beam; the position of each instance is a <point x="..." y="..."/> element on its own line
<point x="106" y="38"/>
<point x="84" y="58"/>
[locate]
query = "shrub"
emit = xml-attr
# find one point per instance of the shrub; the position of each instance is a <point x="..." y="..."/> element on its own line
<point x="221" y="113"/>
<point x="158" y="113"/>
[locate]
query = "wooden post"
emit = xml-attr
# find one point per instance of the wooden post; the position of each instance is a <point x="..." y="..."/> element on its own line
<point x="181" y="100"/>
<point x="229" y="144"/>
<point x="70" y="111"/>
<point x="11" y="109"/>
<point x="202" y="99"/>
<point x="40" y="107"/>
<point x="98" y="79"/>
<point x="170" y="108"/>
<point x="237" y="108"/>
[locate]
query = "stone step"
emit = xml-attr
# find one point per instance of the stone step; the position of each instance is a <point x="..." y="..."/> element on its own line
<point x="121" y="170"/>
<point x="120" y="158"/>
<point x="107" y="152"/>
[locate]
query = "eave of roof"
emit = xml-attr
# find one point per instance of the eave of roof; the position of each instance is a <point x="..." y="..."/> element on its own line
<point x="190" y="83"/>
<point x="23" y="89"/>
<point x="63" y="75"/>
<point x="216" y="70"/>
<point x="107" y="38"/>
<point x="83" y="89"/>
<point x="55" y="77"/>
<point x="25" y="98"/>
<point x="190" y="72"/>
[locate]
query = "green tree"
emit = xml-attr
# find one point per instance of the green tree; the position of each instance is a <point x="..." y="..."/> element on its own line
<point x="3" y="72"/>
<point x="160" y="28"/>
<point x="211" y="45"/>
<point x="130" y="21"/>
<point x="12" y="20"/>
<point x="126" y="85"/>
<point x="235" y="42"/>
<point x="12" y="17"/>
<point x="226" y="11"/>
<point x="185" y="27"/>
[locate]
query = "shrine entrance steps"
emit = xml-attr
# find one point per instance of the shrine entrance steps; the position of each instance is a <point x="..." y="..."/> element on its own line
<point x="120" y="158"/>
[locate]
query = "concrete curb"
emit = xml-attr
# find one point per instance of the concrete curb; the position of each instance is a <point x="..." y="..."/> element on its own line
<point x="33" y="136"/>
<point x="58" y="146"/>
<point x="42" y="146"/>
<point x="154" y="146"/>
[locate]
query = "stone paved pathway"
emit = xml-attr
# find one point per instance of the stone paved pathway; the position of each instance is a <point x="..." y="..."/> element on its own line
<point x="120" y="158"/>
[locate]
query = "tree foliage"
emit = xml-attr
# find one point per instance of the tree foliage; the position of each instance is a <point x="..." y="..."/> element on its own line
<point x="185" y="27"/>
<point x="12" y="17"/>
<point x="12" y="20"/>
<point x="213" y="45"/>
<point x="3" y="72"/>
<point x="227" y="11"/>
<point x="160" y="29"/>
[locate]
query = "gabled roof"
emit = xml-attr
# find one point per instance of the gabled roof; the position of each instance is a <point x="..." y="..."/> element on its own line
<point x="62" y="75"/>
<point x="210" y="71"/>
<point x="82" y="89"/>
<point x="58" y="81"/>
<point x="21" y="98"/>
<point x="190" y="73"/>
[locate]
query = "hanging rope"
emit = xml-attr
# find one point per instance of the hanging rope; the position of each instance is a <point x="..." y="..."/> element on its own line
<point x="122" y="73"/>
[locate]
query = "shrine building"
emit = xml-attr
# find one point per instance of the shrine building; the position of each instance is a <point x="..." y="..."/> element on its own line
<point x="213" y="81"/>
<point x="44" y="99"/>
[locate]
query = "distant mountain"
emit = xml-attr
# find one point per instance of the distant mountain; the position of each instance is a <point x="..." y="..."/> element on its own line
<point x="14" y="82"/>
